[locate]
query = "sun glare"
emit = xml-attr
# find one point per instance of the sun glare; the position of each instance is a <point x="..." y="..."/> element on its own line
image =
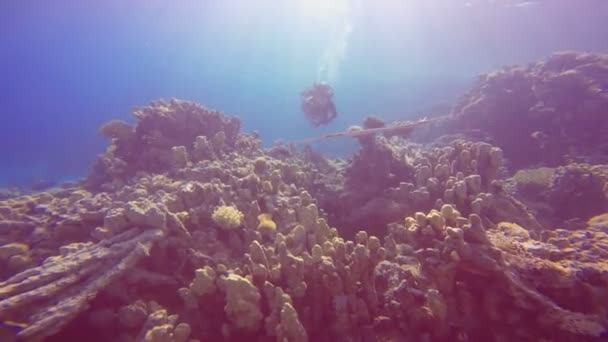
<point x="324" y="10"/>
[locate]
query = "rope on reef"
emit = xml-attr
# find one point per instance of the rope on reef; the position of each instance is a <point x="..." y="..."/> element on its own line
<point x="401" y="128"/>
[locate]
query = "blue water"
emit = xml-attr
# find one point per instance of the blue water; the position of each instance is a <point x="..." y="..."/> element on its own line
<point x="66" y="67"/>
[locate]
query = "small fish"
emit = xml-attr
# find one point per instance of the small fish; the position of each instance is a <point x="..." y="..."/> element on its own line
<point x="10" y="329"/>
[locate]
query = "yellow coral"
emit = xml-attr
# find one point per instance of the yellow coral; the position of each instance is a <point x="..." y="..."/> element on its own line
<point x="267" y="225"/>
<point x="227" y="217"/>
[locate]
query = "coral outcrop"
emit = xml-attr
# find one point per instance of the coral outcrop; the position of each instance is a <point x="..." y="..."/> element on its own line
<point x="555" y="110"/>
<point x="168" y="135"/>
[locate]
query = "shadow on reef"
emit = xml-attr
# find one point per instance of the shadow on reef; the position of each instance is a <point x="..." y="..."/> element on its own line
<point x="187" y="230"/>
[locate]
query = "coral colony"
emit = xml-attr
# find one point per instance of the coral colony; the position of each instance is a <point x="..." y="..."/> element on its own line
<point x="489" y="224"/>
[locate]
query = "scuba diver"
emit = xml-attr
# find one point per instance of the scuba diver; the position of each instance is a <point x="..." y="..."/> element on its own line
<point x="317" y="103"/>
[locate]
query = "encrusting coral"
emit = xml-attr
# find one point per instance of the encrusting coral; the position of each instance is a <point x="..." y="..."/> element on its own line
<point x="187" y="230"/>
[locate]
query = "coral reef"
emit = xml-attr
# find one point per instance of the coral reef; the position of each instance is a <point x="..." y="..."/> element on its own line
<point x="187" y="230"/>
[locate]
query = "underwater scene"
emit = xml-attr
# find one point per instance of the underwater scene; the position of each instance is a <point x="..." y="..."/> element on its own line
<point x="304" y="170"/>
